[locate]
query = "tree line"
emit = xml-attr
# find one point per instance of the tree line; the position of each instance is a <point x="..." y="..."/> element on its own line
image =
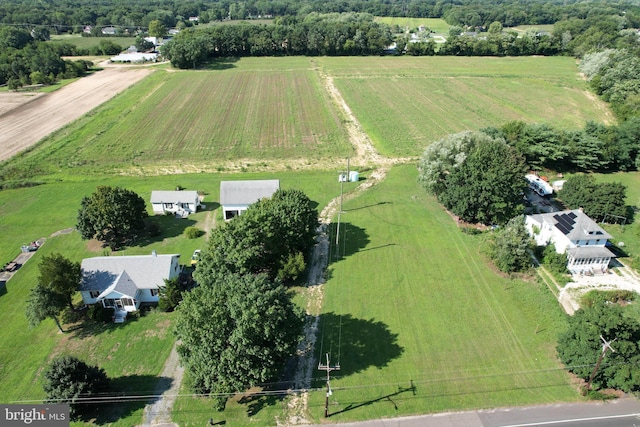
<point x="26" y="59"/>
<point x="73" y="15"/>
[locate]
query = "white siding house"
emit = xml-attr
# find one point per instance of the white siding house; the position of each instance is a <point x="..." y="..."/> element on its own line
<point x="124" y="282"/>
<point x="180" y="203"/>
<point x="577" y="235"/>
<point x="236" y="196"/>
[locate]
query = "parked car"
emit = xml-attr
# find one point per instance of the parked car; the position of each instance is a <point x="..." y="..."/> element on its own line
<point x="195" y="257"/>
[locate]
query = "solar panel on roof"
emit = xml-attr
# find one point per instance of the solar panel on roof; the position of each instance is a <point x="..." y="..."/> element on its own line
<point x="565" y="230"/>
<point x="556" y="217"/>
<point x="572" y="215"/>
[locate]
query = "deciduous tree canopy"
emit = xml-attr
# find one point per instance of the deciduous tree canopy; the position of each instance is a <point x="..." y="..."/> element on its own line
<point x="236" y="331"/>
<point x="112" y="215"/>
<point x="596" y="199"/>
<point x="70" y="380"/>
<point x="580" y="346"/>
<point x="61" y="275"/>
<point x="477" y="177"/>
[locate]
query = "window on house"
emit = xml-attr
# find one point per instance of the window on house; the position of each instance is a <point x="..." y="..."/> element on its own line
<point x="94" y="294"/>
<point x="127" y="301"/>
<point x="168" y="205"/>
<point x="154" y="292"/>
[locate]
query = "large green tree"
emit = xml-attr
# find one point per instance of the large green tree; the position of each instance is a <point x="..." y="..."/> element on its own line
<point x="267" y="238"/>
<point x="475" y="176"/>
<point x="44" y="302"/>
<point x="510" y="246"/>
<point x="596" y="199"/>
<point x="70" y="380"/>
<point x="112" y="215"/>
<point x="235" y="332"/>
<point x="580" y="346"/>
<point x="61" y="275"/>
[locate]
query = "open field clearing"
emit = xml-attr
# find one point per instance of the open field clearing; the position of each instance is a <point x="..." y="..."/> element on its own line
<point x="203" y="118"/>
<point x="87" y="42"/>
<point x="406" y="103"/>
<point x="436" y="25"/>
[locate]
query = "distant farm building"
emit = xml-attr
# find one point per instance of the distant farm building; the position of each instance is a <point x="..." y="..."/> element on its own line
<point x="577" y="235"/>
<point x="236" y="196"/>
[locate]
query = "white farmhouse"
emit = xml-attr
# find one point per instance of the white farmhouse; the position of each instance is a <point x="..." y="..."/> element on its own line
<point x="577" y="235"/>
<point x="124" y="282"/>
<point x="180" y="203"/>
<point x="236" y="196"/>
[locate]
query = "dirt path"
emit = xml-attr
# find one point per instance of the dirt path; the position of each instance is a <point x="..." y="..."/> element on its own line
<point x="159" y="412"/>
<point x="366" y="155"/>
<point x="27" y="119"/>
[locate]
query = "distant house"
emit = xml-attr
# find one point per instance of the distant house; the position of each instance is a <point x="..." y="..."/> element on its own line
<point x="125" y="282"/>
<point x="110" y="31"/>
<point x="180" y="203"/>
<point x="236" y="196"/>
<point x="87" y="29"/>
<point x="577" y="235"/>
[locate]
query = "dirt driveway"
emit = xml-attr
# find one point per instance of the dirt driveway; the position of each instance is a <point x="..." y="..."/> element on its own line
<point x="26" y="118"/>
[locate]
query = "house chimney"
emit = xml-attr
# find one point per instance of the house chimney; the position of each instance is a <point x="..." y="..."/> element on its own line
<point x="154" y="253"/>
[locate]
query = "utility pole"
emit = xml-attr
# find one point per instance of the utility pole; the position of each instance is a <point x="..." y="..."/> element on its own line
<point x="327" y="368"/>
<point x="605" y="346"/>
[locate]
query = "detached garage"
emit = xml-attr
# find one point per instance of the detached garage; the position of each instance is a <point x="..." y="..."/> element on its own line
<point x="236" y="196"/>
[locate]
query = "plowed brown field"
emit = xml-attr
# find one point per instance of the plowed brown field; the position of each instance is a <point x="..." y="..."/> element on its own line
<point x="27" y="118"/>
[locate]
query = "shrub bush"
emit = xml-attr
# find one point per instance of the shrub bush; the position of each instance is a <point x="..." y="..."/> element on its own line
<point x="100" y="314"/>
<point x="193" y="232"/>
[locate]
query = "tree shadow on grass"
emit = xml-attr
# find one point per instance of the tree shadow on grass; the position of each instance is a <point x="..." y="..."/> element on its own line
<point x="87" y="327"/>
<point x="345" y="239"/>
<point x="169" y="226"/>
<point x="127" y="395"/>
<point x="355" y="344"/>
<point x="221" y="64"/>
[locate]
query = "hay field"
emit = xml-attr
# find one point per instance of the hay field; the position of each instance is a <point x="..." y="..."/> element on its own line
<point x="406" y="103"/>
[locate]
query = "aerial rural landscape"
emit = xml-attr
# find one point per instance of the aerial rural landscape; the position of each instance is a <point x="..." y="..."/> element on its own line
<point x="248" y="232"/>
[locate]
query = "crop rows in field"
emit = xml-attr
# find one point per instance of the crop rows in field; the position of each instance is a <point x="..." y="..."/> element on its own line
<point x="405" y="105"/>
<point x="196" y="117"/>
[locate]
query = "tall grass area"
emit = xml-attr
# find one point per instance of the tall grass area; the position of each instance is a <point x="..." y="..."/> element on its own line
<point x="410" y="301"/>
<point x="89" y="42"/>
<point x="405" y="103"/>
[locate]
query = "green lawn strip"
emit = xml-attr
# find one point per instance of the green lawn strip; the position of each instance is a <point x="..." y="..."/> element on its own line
<point x="405" y="104"/>
<point x="413" y="300"/>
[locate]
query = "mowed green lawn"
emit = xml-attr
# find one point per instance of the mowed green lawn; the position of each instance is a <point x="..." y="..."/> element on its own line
<point x="436" y="25"/>
<point x="405" y="103"/>
<point x="132" y="353"/>
<point x="410" y="301"/>
<point x="413" y="301"/>
<point x="205" y="118"/>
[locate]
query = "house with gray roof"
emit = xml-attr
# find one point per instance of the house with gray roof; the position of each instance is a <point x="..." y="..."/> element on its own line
<point x="574" y="233"/>
<point x="125" y="282"/>
<point x="236" y="196"/>
<point x="180" y="203"/>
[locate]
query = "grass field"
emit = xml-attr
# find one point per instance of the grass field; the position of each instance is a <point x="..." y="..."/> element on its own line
<point x="436" y="25"/>
<point x="406" y="103"/>
<point x="172" y="120"/>
<point x="88" y="42"/>
<point x="116" y="348"/>
<point x="413" y="300"/>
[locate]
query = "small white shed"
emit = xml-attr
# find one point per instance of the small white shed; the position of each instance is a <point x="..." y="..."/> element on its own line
<point x="181" y="203"/>
<point x="236" y="196"/>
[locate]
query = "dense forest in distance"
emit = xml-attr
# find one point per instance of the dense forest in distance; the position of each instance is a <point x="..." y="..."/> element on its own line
<point x="63" y="16"/>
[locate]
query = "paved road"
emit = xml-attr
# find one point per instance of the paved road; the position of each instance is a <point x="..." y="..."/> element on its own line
<point x="618" y="413"/>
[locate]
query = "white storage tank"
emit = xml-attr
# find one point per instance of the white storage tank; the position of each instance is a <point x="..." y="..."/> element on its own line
<point x="354" y="176"/>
